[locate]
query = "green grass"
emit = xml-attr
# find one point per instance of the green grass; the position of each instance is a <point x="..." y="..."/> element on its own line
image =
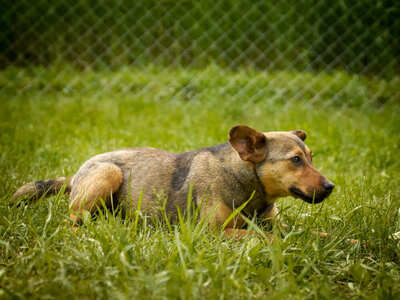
<point x="51" y="121"/>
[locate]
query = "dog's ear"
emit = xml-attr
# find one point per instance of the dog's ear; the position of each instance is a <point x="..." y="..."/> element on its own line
<point x="300" y="133"/>
<point x="249" y="143"/>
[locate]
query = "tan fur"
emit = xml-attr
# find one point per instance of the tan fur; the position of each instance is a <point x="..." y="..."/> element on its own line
<point x="223" y="212"/>
<point x="278" y="176"/>
<point x="221" y="178"/>
<point x="99" y="184"/>
<point x="26" y="189"/>
<point x="240" y="233"/>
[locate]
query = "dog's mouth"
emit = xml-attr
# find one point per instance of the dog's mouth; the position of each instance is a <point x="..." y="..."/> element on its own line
<point x="317" y="198"/>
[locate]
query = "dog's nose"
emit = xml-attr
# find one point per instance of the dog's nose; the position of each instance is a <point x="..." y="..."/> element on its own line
<point x="328" y="186"/>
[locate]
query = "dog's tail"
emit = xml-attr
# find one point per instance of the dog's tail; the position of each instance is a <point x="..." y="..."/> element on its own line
<point x="35" y="190"/>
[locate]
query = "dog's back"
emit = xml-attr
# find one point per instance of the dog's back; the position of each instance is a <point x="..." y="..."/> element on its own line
<point x="264" y="166"/>
<point x="156" y="176"/>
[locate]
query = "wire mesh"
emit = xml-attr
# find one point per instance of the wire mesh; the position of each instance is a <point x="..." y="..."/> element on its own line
<point x="346" y="41"/>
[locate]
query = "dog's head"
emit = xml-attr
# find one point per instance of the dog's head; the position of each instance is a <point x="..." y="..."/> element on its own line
<point x="282" y="162"/>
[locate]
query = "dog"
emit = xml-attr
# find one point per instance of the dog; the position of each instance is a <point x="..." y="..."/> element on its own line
<point x="260" y="166"/>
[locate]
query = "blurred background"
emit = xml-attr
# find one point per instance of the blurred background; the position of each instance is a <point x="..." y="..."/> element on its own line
<point x="360" y="39"/>
<point x="82" y="77"/>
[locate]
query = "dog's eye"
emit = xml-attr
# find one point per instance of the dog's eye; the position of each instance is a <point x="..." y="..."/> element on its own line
<point x="296" y="160"/>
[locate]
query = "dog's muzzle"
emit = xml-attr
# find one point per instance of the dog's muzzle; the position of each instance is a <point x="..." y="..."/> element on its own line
<point x="317" y="197"/>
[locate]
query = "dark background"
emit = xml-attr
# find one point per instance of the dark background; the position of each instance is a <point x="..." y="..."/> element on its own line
<point x="355" y="36"/>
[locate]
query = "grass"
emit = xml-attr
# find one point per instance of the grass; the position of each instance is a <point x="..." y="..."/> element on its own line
<point x="52" y="120"/>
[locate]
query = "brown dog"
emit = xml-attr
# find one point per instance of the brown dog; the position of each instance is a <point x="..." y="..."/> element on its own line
<point x="221" y="178"/>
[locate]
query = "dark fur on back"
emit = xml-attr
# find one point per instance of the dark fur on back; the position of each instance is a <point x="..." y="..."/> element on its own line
<point x="256" y="165"/>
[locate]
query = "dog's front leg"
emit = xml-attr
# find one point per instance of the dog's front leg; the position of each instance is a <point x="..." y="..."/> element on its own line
<point x="324" y="235"/>
<point x="240" y="233"/>
<point x="233" y="227"/>
<point x="272" y="216"/>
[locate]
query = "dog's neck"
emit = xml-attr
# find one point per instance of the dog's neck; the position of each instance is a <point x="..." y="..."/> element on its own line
<point x="242" y="181"/>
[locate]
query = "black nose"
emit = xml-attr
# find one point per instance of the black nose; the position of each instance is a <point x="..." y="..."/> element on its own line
<point x="328" y="186"/>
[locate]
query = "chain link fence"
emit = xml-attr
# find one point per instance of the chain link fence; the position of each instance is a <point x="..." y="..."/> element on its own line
<point x="353" y="41"/>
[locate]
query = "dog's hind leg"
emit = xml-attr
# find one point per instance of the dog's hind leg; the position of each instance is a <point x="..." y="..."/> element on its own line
<point x="95" y="186"/>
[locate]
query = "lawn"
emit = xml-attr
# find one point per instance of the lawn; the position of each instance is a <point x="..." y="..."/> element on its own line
<point x="52" y="120"/>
